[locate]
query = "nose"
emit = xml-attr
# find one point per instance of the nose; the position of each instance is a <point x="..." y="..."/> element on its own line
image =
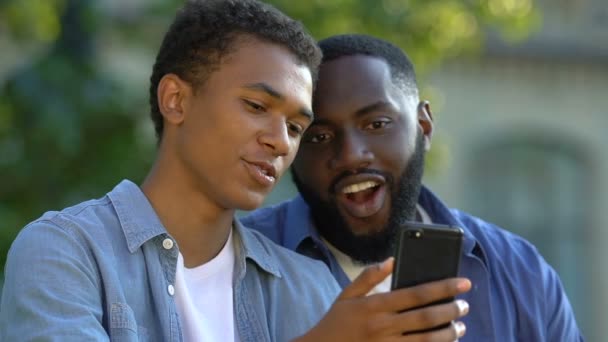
<point x="275" y="137"/>
<point x="351" y="152"/>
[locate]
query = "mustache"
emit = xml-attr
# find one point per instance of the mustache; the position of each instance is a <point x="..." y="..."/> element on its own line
<point x="348" y="173"/>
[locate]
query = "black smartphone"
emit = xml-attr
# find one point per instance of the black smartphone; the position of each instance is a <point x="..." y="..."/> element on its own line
<point x="425" y="253"/>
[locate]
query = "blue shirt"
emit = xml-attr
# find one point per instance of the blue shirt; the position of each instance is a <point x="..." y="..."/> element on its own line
<point x="104" y="270"/>
<point x="516" y="295"/>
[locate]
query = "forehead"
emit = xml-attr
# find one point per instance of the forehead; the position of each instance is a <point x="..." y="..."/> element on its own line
<point x="352" y="82"/>
<point x="255" y="61"/>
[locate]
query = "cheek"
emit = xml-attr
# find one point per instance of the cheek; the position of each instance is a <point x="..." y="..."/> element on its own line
<point x="287" y="161"/>
<point x="311" y="169"/>
<point x="294" y="147"/>
<point x="394" y="153"/>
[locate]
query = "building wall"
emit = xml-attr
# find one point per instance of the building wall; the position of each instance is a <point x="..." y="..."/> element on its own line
<point x="523" y="135"/>
<point x="490" y="104"/>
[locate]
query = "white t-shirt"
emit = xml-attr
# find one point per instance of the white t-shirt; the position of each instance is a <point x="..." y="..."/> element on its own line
<point x="352" y="269"/>
<point x="203" y="296"/>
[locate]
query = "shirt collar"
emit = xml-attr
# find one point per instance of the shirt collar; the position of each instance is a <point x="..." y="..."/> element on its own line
<point x="140" y="223"/>
<point x="136" y="215"/>
<point x="250" y="245"/>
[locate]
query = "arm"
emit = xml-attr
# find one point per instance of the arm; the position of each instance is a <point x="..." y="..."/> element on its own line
<point x="52" y="288"/>
<point x="391" y="316"/>
<point x="560" y="321"/>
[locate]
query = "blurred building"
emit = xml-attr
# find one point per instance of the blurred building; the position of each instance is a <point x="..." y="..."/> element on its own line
<point x="526" y="129"/>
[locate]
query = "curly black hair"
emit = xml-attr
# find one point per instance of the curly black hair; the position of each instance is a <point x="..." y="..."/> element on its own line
<point x="204" y="32"/>
<point x="401" y="67"/>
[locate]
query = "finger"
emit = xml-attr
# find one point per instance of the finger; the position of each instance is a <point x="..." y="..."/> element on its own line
<point x="421" y="295"/>
<point x="426" y="318"/>
<point x="368" y="279"/>
<point x="452" y="332"/>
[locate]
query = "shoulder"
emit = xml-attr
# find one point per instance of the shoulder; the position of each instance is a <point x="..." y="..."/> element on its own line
<point x="510" y="258"/>
<point x="72" y="221"/>
<point x="519" y="270"/>
<point x="495" y="240"/>
<point x="54" y="246"/>
<point x="52" y="268"/>
<point x="69" y="232"/>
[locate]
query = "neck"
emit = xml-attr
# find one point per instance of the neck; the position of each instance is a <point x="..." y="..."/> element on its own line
<point x="199" y="225"/>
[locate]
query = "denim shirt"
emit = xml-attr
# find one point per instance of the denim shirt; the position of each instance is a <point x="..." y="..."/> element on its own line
<point x="104" y="270"/>
<point x="516" y="295"/>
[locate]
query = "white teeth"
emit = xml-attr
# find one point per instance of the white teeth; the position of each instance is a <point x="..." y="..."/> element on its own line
<point x="359" y="187"/>
<point x="267" y="174"/>
<point x="264" y="171"/>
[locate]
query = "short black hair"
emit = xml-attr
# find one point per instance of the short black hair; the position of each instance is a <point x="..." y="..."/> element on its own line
<point x="204" y="31"/>
<point x="401" y="67"/>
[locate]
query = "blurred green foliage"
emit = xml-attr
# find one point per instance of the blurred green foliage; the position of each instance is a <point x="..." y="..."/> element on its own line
<point x="69" y="132"/>
<point x="429" y="30"/>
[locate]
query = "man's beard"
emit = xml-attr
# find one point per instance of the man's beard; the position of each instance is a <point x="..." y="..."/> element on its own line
<point x="378" y="245"/>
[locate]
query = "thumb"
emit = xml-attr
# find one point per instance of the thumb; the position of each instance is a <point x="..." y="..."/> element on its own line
<point x="370" y="277"/>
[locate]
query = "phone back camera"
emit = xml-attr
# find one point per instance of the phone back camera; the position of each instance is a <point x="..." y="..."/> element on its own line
<point x="415" y="233"/>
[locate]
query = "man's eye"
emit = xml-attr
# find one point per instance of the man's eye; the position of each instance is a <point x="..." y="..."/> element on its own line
<point x="295" y="128"/>
<point x="318" y="138"/>
<point x="377" y="124"/>
<point x="254" y="106"/>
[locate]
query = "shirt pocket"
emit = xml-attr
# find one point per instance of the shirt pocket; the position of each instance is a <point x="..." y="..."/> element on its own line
<point x="123" y="326"/>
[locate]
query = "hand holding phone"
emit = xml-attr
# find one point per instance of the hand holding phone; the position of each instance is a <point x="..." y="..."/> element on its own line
<point x="426" y="253"/>
<point x="356" y="316"/>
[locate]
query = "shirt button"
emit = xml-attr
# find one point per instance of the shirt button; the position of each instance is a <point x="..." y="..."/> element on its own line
<point x="171" y="290"/>
<point x="167" y="243"/>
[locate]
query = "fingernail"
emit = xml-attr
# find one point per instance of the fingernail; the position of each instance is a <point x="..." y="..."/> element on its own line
<point x="463" y="306"/>
<point x="460" y="329"/>
<point x="463" y="285"/>
<point x="385" y="263"/>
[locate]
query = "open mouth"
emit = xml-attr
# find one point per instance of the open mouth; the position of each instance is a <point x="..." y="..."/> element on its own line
<point x="362" y="199"/>
<point x="361" y="192"/>
<point x="263" y="172"/>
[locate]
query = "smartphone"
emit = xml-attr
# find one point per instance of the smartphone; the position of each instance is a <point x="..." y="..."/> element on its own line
<point x="425" y="253"/>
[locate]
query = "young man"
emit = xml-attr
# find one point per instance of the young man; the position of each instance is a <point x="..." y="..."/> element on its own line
<point x="359" y="171"/>
<point x="231" y="96"/>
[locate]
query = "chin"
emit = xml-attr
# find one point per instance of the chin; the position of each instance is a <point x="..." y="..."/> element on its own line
<point x="369" y="229"/>
<point x="369" y="225"/>
<point x="251" y="202"/>
<point x="250" y="206"/>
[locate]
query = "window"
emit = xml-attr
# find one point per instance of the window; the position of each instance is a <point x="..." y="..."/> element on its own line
<point x="543" y="191"/>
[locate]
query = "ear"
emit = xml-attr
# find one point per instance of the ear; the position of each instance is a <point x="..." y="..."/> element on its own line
<point x="425" y="120"/>
<point x="172" y="93"/>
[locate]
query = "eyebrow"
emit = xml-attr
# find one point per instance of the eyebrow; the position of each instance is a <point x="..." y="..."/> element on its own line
<point x="263" y="87"/>
<point x="376" y="106"/>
